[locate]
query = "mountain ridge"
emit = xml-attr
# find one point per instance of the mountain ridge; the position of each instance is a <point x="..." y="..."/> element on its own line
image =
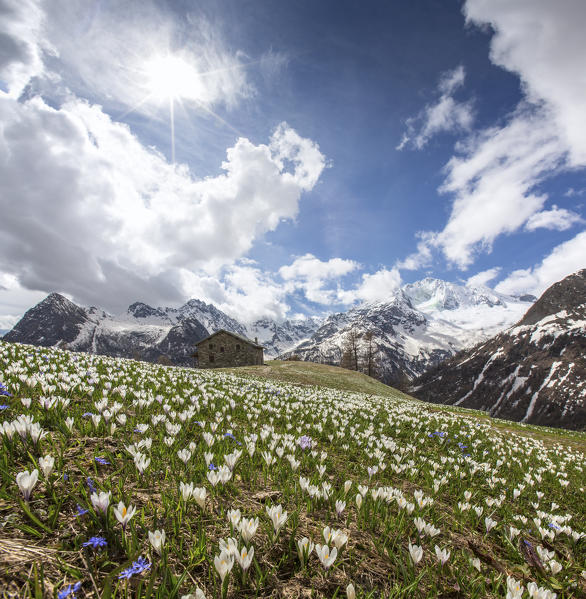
<point x="418" y="326"/>
<point x="533" y="372"/>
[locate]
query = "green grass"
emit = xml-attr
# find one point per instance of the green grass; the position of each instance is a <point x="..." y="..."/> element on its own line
<point x="405" y="471"/>
<point x="334" y="377"/>
<point x="317" y="375"/>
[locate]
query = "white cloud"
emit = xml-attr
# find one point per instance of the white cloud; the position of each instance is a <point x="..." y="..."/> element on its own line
<point x="422" y="257"/>
<point x="492" y="183"/>
<point x="544" y="43"/>
<point x="101" y="216"/>
<point x="22" y="43"/>
<point x="244" y="292"/>
<point x="565" y="259"/>
<point x="494" y="175"/>
<point x="484" y="277"/>
<point x="556" y="219"/>
<point x="444" y="115"/>
<point x="311" y="275"/>
<point x="378" y="286"/>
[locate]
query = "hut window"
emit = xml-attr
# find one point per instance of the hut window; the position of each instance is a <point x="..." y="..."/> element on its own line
<point x="237" y="346"/>
<point x="211" y="358"/>
<point x="221" y="348"/>
<point x="211" y="346"/>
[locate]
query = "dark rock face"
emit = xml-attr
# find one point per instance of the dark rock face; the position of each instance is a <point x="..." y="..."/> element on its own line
<point x="54" y="320"/>
<point x="567" y="294"/>
<point x="534" y="372"/>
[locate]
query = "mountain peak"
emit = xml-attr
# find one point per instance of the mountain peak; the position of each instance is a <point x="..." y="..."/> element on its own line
<point x="565" y="294"/>
<point x="142" y="310"/>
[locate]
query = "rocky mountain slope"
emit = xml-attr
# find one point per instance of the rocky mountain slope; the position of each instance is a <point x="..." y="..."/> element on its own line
<point x="144" y="332"/>
<point x="421" y="325"/>
<point x="534" y="372"/>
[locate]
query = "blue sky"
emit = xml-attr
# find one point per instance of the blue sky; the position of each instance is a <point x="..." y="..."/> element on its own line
<point x="324" y="153"/>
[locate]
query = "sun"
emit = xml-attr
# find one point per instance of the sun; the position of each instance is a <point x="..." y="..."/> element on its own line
<point x="174" y="78"/>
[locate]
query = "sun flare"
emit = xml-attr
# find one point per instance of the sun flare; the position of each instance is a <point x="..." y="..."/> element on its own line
<point x="173" y="77"/>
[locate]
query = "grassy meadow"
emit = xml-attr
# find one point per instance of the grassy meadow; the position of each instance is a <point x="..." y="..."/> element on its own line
<point x="124" y="479"/>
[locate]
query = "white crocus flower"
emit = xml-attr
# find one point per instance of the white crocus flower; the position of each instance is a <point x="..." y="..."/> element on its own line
<point x="157" y="540"/>
<point x="184" y="455"/>
<point x="340" y="506"/>
<point x="350" y="591"/>
<point x="234" y="517"/>
<point x="47" y="464"/>
<point x="101" y="501"/>
<point x="489" y="523"/>
<point x="514" y="588"/>
<point x="229" y="545"/>
<point x="304" y="549"/>
<point x="416" y="552"/>
<point x="326" y="557"/>
<point x="278" y="517"/>
<point x="476" y="563"/>
<point x="244" y="557"/>
<point x="69" y="423"/>
<point x="248" y="528"/>
<point x="347" y="486"/>
<point x="223" y="563"/>
<point x="124" y="514"/>
<point x="26" y="482"/>
<point x="186" y="490"/>
<point x="199" y="494"/>
<point x="443" y="555"/>
<point x="141" y="462"/>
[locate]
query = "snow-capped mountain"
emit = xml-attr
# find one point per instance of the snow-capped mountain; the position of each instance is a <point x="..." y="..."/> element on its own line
<point x="421" y="325"/>
<point x="278" y="338"/>
<point x="144" y="332"/>
<point x="533" y="372"/>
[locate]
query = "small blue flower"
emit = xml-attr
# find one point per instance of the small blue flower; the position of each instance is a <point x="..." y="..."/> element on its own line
<point x="138" y="567"/>
<point x="102" y="461"/>
<point x="81" y="511"/>
<point x="69" y="591"/>
<point x="96" y="542"/>
<point x="212" y="466"/>
<point x="90" y="484"/>
<point x="87" y="415"/>
<point x="65" y="476"/>
<point x="4" y="407"/>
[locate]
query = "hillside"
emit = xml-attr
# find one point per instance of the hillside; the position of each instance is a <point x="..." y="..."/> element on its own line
<point x="534" y="372"/>
<point x="321" y="375"/>
<point x="125" y="479"/>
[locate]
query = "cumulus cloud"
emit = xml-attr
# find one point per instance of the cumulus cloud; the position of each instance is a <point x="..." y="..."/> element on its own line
<point x="88" y="209"/>
<point x="484" y="277"/>
<point x="543" y="42"/>
<point x="375" y="287"/>
<point x="23" y="43"/>
<point x="311" y="274"/>
<point x="565" y="259"/>
<point x="556" y="219"/>
<point x="493" y="178"/>
<point x="444" y="115"/>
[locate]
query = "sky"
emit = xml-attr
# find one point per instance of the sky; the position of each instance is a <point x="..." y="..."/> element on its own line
<point x="281" y="159"/>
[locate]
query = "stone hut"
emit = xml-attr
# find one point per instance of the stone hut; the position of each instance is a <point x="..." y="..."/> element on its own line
<point x="224" y="349"/>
